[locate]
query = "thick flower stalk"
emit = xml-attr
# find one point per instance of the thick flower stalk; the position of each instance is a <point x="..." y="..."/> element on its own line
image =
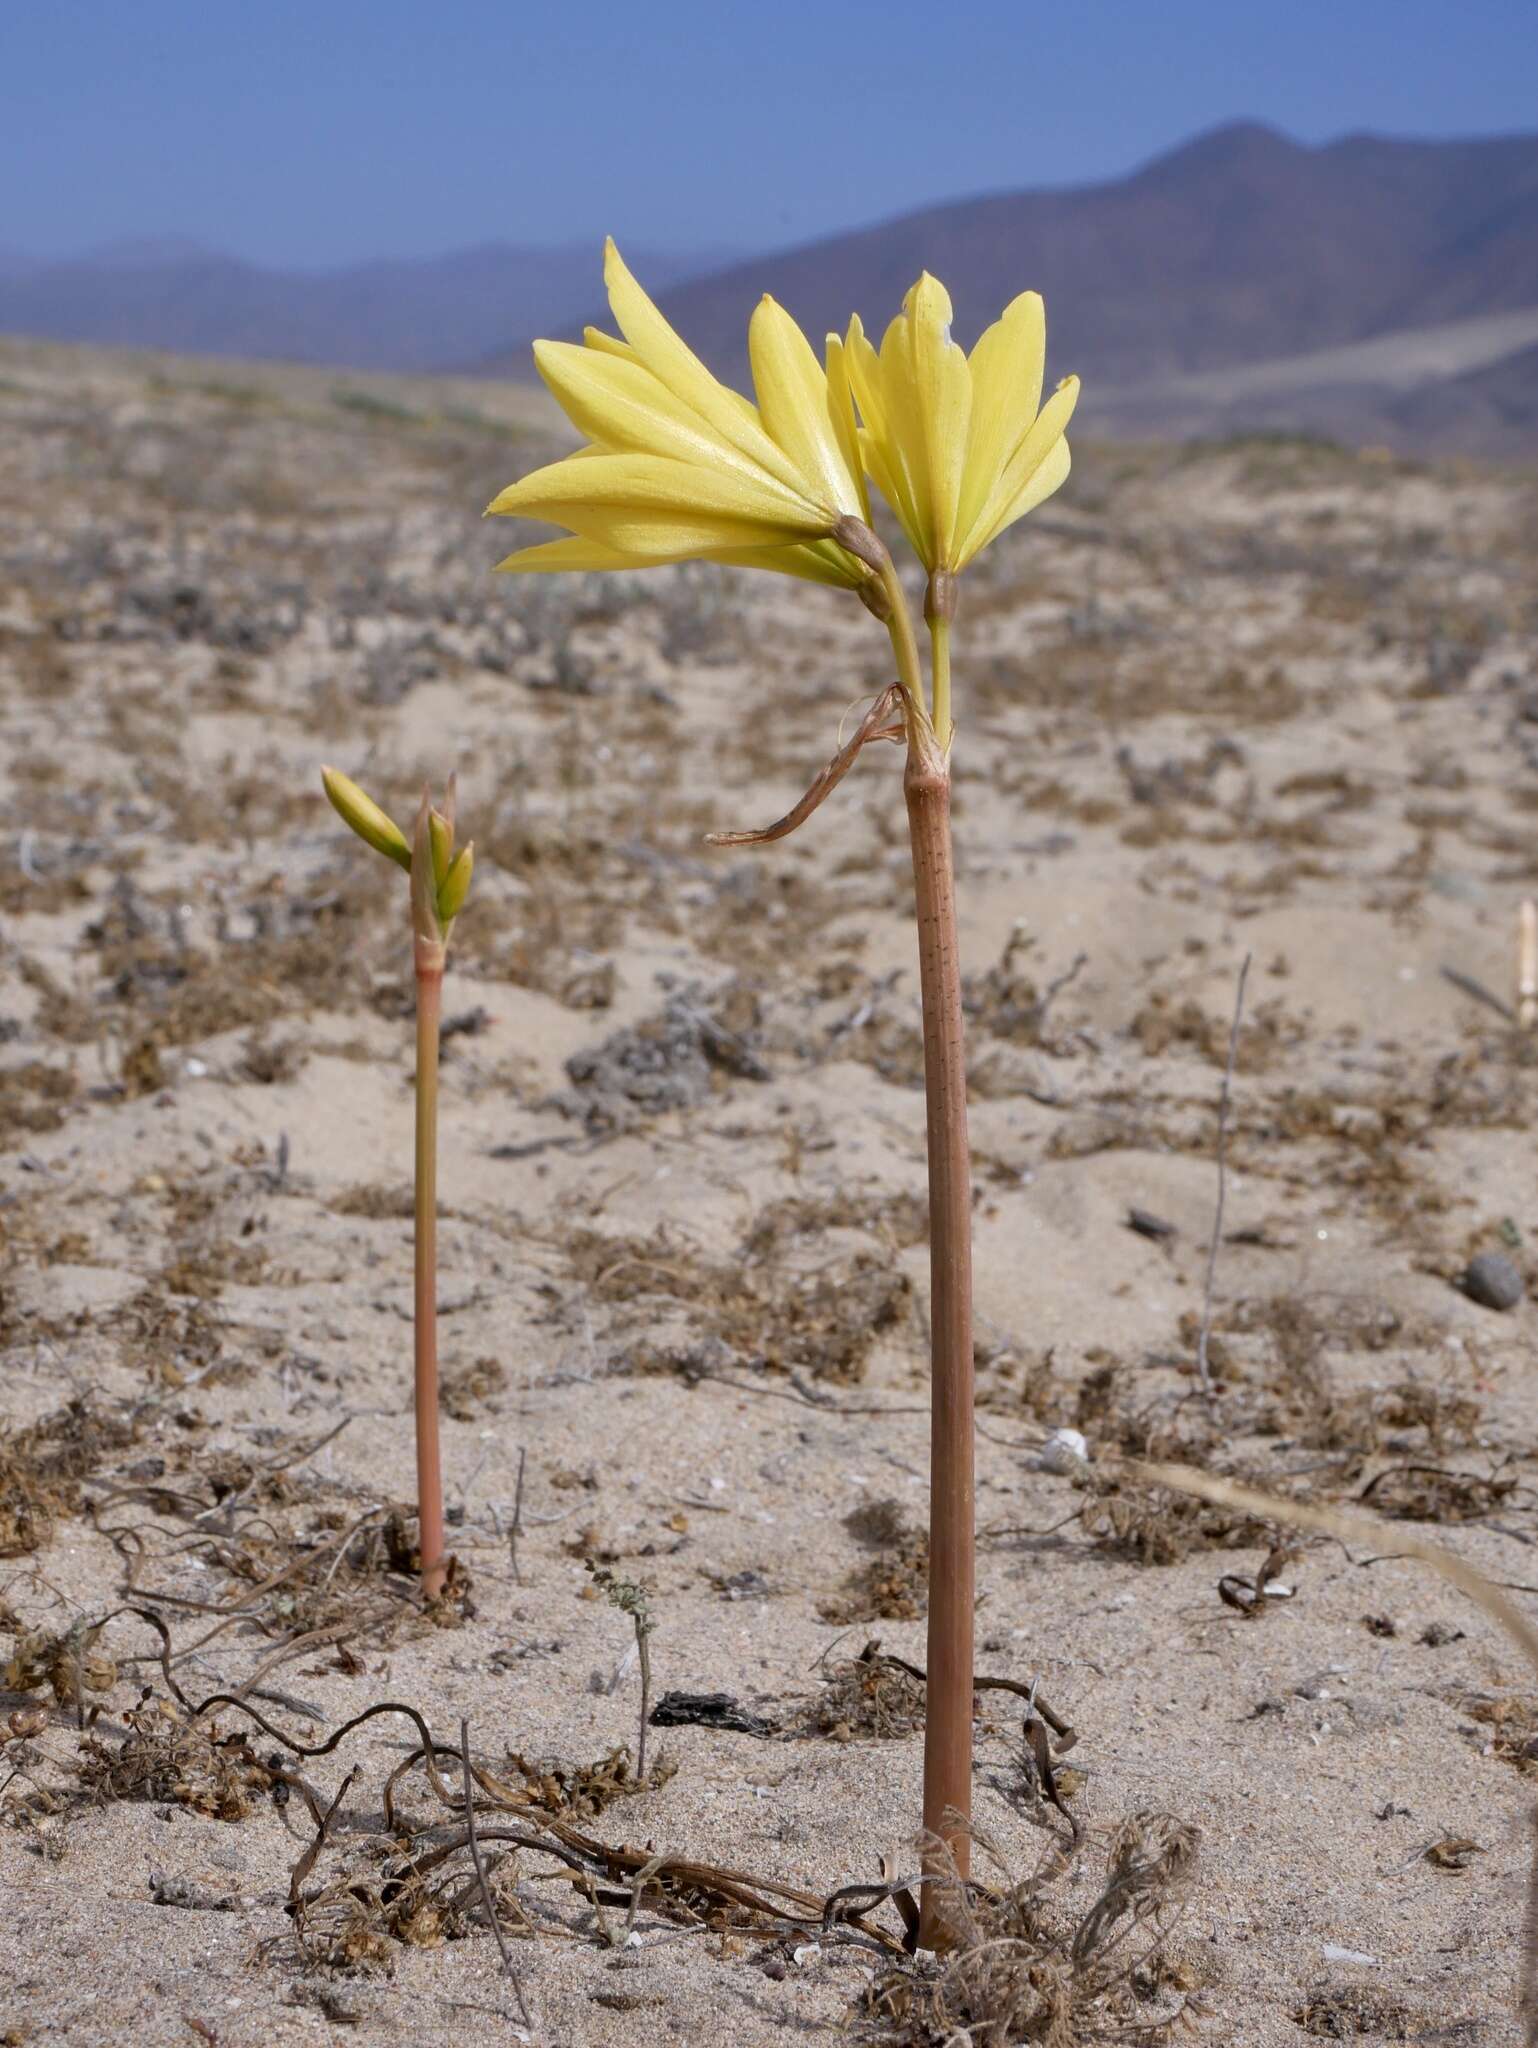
<point x="440" y="882"/>
<point x="677" y="467"/>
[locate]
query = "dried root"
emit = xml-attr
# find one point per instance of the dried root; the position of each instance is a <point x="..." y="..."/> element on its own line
<point x="1023" y="1969"/>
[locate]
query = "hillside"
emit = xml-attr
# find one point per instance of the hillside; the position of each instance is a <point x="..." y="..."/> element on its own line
<point x="1375" y="290"/>
<point x="1241" y="248"/>
<point x="388" y="315"/>
<point x="1240" y="245"/>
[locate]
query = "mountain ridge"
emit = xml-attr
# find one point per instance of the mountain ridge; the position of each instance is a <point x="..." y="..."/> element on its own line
<point x="1239" y="246"/>
<point x="1203" y="256"/>
<point x="388" y="313"/>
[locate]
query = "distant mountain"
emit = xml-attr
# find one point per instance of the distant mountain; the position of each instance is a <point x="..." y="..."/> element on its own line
<point x="1489" y="411"/>
<point x="388" y="315"/>
<point x="1368" y="288"/>
<point x="1241" y="247"/>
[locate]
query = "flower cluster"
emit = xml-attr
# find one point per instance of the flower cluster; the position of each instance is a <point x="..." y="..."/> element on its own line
<point x="679" y="467"/>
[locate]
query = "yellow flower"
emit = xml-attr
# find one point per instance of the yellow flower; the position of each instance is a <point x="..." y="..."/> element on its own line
<point x="679" y="468"/>
<point x="956" y="444"/>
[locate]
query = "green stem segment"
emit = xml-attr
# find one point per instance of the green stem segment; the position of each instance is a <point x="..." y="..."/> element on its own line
<point x="643" y="1630"/>
<point x="910" y="670"/>
<point x="429" y="971"/>
<point x="940" y="668"/>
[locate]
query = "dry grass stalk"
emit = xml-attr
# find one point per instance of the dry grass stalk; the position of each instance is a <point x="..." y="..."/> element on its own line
<point x="1203" y="1373"/>
<point x="630" y="1598"/>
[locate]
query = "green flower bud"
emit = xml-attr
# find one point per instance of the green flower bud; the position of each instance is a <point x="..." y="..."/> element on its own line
<point x="372" y="825"/>
<point x="456" y="885"/>
<point x="441" y="832"/>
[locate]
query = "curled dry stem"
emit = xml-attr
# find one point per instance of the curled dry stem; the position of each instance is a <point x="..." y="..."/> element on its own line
<point x="877" y="724"/>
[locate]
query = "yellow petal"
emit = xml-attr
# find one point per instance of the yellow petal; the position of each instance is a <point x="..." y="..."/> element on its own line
<point x="676" y="365"/>
<point x="591" y="493"/>
<point x="814" y="561"/>
<point x="1016" y="482"/>
<point x="793" y="404"/>
<point x="664" y="535"/>
<point x="942" y="383"/>
<point x="864" y="367"/>
<point x="1049" y="474"/>
<point x="608" y="344"/>
<point x="890" y="483"/>
<point x="881" y="457"/>
<point x="841" y="411"/>
<point x="623" y="408"/>
<point x="1006" y="370"/>
<point x="903" y="442"/>
<point x="557" y="557"/>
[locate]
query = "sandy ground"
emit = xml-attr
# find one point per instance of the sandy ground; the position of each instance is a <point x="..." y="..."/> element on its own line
<point x="1262" y="699"/>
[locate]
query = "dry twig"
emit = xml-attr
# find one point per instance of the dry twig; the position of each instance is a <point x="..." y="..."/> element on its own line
<point x="1203" y="1372"/>
<point x="473" y="1843"/>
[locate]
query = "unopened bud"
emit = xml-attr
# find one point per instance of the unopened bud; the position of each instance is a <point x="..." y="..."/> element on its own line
<point x="441" y="833"/>
<point x="424" y="886"/>
<point x="372" y="825"/>
<point x="455" y="886"/>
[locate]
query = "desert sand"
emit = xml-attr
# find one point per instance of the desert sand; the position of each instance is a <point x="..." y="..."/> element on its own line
<point x="1264" y="699"/>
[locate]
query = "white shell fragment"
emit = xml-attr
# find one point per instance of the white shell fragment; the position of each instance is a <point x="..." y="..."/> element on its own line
<point x="1065" y="1452"/>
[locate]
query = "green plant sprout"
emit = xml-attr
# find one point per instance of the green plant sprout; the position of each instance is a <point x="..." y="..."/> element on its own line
<point x="630" y="1598"/>
<point x="680" y="468"/>
<point x="440" y="882"/>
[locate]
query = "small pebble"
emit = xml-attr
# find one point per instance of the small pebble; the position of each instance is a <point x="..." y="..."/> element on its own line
<point x="1064" y="1452"/>
<point x="1493" y="1281"/>
<point x="1146" y="1224"/>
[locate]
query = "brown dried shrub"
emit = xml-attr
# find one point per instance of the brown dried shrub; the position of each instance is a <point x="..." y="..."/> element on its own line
<point x="1025" y="1968"/>
<point x="42" y="1465"/>
<point x="168" y="1756"/>
<point x="863" y="1698"/>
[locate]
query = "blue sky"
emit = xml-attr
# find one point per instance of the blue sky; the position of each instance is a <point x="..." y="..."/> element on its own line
<point x="318" y="131"/>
